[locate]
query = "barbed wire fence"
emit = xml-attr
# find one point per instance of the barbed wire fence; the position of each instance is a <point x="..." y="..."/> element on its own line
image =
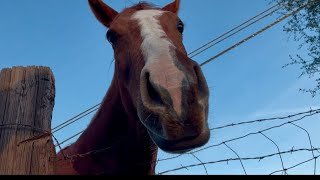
<point x="291" y="120"/>
<point x="281" y="121"/>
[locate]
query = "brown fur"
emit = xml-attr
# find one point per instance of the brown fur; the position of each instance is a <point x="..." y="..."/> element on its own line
<point x="126" y="132"/>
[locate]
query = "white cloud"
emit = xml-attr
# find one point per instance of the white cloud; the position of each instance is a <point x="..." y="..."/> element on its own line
<point x="291" y="101"/>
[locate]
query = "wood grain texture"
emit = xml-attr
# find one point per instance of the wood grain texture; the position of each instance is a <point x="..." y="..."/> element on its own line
<point x="26" y="104"/>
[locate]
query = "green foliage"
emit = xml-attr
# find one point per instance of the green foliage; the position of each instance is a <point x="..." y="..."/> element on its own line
<point x="304" y="27"/>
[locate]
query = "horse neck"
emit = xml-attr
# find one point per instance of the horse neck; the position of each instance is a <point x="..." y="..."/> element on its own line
<point x="118" y="141"/>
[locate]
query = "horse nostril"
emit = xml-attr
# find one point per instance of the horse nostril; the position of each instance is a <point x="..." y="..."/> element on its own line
<point x="197" y="73"/>
<point x="202" y="87"/>
<point x="153" y="93"/>
<point x="195" y="68"/>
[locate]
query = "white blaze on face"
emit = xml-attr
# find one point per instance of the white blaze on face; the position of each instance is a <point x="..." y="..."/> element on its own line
<point x="159" y="55"/>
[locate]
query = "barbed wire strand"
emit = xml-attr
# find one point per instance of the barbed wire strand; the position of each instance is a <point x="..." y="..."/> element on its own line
<point x="90" y="153"/>
<point x="68" y="139"/>
<point x="264" y="120"/>
<point x="244" y="136"/>
<point x="45" y="133"/>
<point x="24" y="126"/>
<point x="316" y="111"/>
<point x="244" y="159"/>
<point x="259" y="132"/>
<point x="230" y="125"/>
<point x="93" y="152"/>
<point x="299" y="164"/>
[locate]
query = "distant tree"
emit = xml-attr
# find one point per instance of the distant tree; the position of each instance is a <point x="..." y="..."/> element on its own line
<point x="304" y="27"/>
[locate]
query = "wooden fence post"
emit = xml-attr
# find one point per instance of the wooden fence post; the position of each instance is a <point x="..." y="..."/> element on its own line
<point x="26" y="103"/>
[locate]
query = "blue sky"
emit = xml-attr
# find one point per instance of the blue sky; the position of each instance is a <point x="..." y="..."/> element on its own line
<point x="246" y="83"/>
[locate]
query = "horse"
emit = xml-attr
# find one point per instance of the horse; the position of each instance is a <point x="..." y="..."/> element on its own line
<point x="158" y="97"/>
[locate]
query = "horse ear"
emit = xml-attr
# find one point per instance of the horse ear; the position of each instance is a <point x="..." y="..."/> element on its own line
<point x="103" y="12"/>
<point x="173" y="7"/>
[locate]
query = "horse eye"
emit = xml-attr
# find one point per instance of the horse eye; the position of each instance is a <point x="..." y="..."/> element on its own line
<point x="180" y="27"/>
<point x="112" y="36"/>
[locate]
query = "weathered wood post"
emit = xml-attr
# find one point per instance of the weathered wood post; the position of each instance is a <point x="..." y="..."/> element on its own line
<point x="26" y="103"/>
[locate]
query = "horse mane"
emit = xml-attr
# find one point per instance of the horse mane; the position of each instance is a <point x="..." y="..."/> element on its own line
<point x="142" y="6"/>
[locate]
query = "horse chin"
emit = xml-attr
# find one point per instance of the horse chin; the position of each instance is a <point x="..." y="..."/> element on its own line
<point x="180" y="146"/>
<point x="171" y="134"/>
